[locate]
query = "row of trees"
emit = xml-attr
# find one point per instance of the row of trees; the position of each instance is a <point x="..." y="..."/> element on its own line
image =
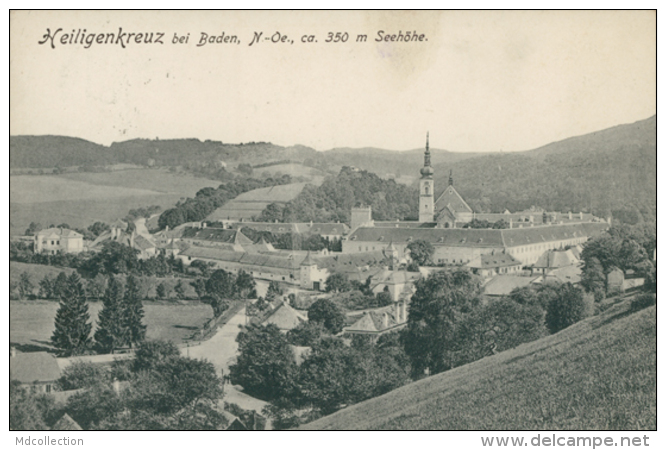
<point x="113" y="259"/>
<point x="209" y="199"/>
<point x="120" y="322"/>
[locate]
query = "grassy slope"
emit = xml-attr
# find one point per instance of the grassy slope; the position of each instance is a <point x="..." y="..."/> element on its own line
<point x="81" y="199"/>
<point x="597" y="374"/>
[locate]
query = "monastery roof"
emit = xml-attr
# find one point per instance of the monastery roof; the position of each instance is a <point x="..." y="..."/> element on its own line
<point x="453" y="200"/>
<point x="58" y="232"/>
<point x="393" y="277"/>
<point x="342" y="262"/>
<point x="217" y="235"/>
<point x="292" y="262"/>
<point x="31" y="367"/>
<point x="492" y="261"/>
<point x="437" y="236"/>
<point x="471" y="237"/>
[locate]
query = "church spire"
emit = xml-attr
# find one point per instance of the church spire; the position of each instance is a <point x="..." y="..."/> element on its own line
<point x="427" y="171"/>
<point x="451" y="177"/>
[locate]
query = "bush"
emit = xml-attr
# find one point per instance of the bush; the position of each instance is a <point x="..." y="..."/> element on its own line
<point x="643" y="301"/>
<point x="81" y="374"/>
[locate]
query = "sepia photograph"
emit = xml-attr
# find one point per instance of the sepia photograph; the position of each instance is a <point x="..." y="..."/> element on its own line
<point x="334" y="220"/>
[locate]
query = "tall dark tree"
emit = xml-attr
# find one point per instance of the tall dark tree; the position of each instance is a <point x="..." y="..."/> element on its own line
<point x="111" y="330"/>
<point x="72" y="327"/>
<point x="421" y="252"/>
<point x="327" y="313"/>
<point x="439" y="304"/>
<point x="133" y="312"/>
<point x="245" y="285"/>
<point x="567" y="308"/>
<point x="265" y="366"/>
<point x="25" y="285"/>
<point x="338" y="282"/>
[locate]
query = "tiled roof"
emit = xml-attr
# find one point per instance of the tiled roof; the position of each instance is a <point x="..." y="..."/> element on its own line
<point x="339" y="262"/>
<point x="471" y="237"/>
<point x="142" y="243"/>
<point x="284" y="317"/>
<point x="491" y="261"/>
<point x="66" y="423"/>
<point x="554" y="259"/>
<point x="255" y="259"/>
<point x="30" y="367"/>
<point x="454" y="200"/>
<point x="451" y="237"/>
<point x="220" y="235"/>
<point x="373" y="322"/>
<point x="504" y="284"/>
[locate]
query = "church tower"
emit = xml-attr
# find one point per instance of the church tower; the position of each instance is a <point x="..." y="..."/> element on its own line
<point x="427" y="188"/>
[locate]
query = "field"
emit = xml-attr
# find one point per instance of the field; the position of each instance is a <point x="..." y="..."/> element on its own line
<point x="600" y="374"/>
<point x="81" y="199"/>
<point x="251" y="204"/>
<point x="31" y="322"/>
<point x="36" y="271"/>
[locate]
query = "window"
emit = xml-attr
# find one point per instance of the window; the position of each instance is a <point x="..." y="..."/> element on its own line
<point x="58" y="242"/>
<point x="52" y="243"/>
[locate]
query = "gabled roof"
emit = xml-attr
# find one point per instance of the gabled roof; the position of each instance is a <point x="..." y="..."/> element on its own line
<point x="31" y="367"/>
<point x="554" y="259"/>
<point x="373" y="322"/>
<point x="453" y="200"/>
<point x="142" y="243"/>
<point x="503" y="284"/>
<point x="284" y="317"/>
<point x="493" y="261"/>
<point x="66" y="423"/>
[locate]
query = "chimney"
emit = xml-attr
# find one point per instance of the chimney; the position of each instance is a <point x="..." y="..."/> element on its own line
<point x="510" y="223"/>
<point x="116" y="386"/>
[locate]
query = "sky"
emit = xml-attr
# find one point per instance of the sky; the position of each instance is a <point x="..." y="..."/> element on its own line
<point x="478" y="81"/>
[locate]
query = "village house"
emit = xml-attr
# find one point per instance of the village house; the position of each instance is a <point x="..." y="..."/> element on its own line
<point x="377" y="321"/>
<point x="54" y="240"/>
<point x="126" y="234"/>
<point x="36" y="371"/>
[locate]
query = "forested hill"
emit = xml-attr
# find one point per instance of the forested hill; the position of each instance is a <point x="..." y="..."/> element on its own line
<point x="60" y="151"/>
<point x="613" y="170"/>
<point x="52" y="151"/>
<point x="384" y="162"/>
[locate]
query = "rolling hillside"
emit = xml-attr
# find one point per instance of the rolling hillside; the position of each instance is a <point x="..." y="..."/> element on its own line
<point x="598" y="374"/>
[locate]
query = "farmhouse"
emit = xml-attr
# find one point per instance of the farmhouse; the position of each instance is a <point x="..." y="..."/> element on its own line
<point x="126" y="234"/>
<point x="378" y="321"/>
<point x="54" y="240"/>
<point x="36" y="371"/>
